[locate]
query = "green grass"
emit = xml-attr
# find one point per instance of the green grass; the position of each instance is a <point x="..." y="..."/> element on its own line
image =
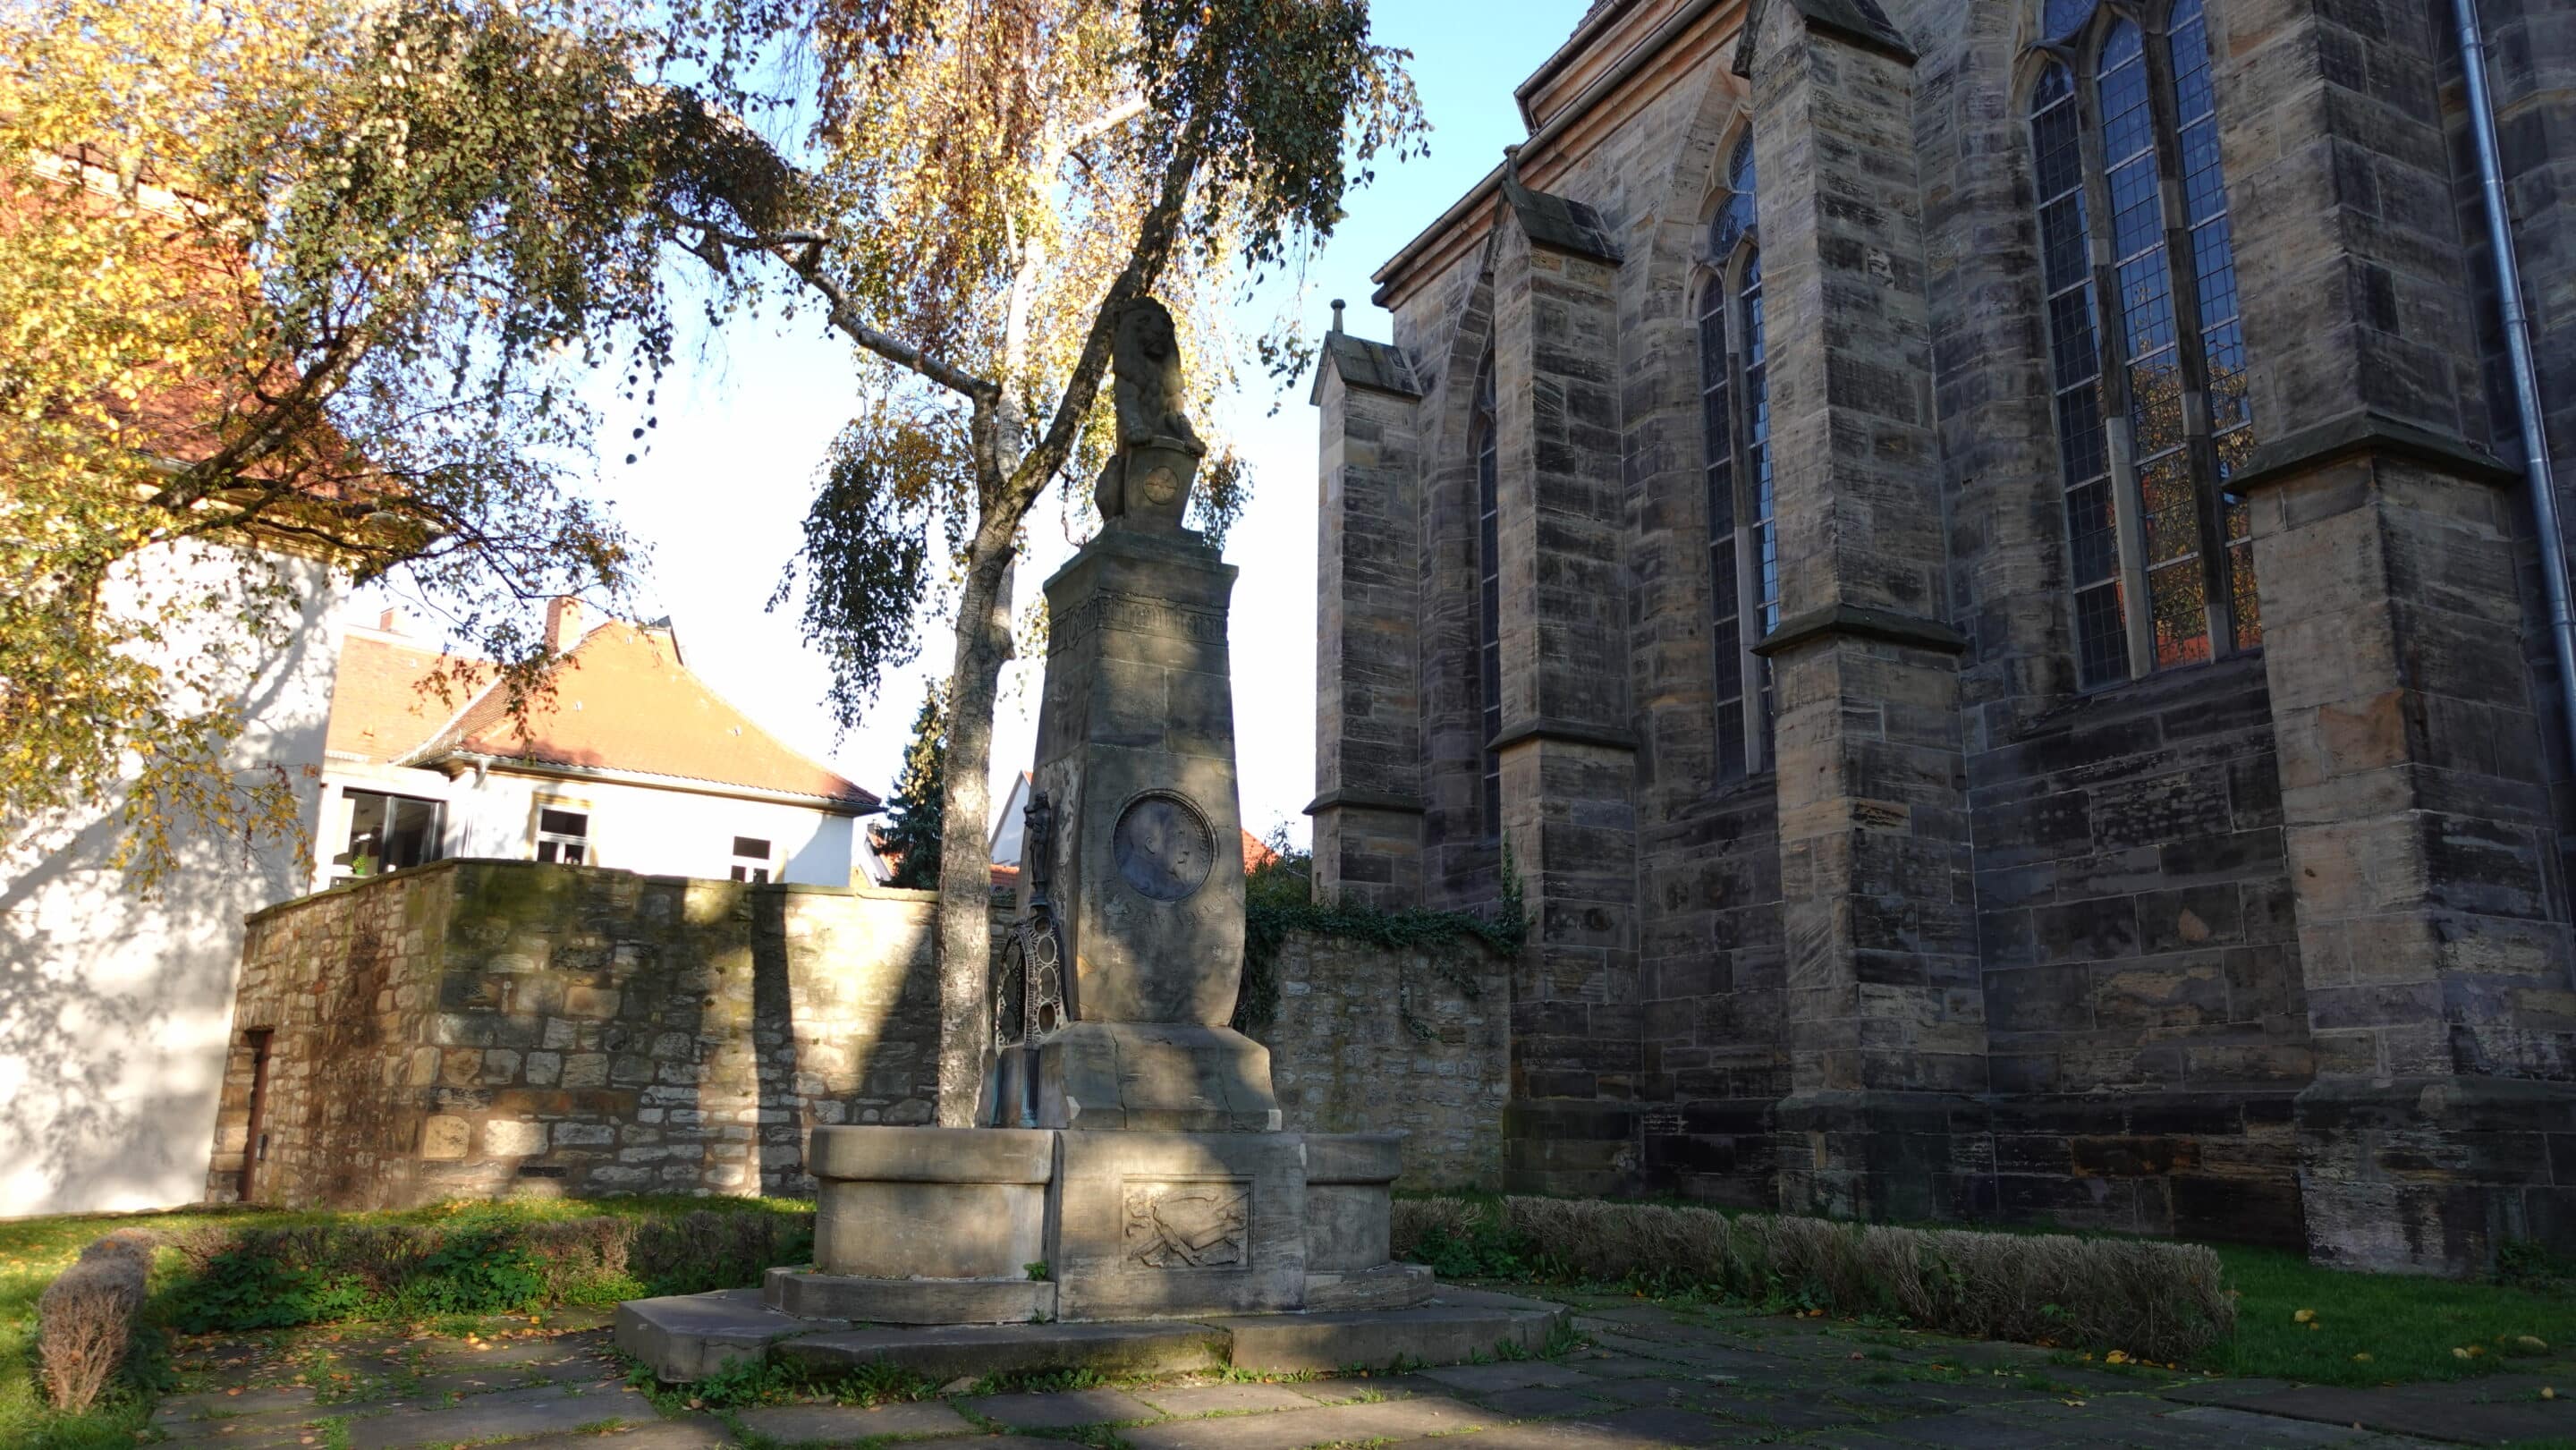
<point x="2407" y="1325"/>
<point x="34" y="1250"/>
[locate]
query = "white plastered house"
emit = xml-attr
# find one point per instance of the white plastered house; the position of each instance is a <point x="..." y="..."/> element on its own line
<point x="634" y="763"/>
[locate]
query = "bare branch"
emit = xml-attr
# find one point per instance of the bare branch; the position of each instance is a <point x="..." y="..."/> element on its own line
<point x="802" y="254"/>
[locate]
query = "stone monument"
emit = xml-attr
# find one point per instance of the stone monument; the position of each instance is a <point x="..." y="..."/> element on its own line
<point x="1132" y="1167"/>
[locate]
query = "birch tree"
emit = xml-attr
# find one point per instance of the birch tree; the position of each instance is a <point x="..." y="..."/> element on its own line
<point x="988" y="182"/>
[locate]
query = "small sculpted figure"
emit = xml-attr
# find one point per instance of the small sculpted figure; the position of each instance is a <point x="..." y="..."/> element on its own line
<point x="1149" y="393"/>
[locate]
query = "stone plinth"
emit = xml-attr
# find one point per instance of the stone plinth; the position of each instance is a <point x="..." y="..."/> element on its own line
<point x="689" y="1336"/>
<point x="1155" y="1077"/>
<point x="1136" y="750"/>
<point x="931" y="1203"/>
<point x="995" y="1225"/>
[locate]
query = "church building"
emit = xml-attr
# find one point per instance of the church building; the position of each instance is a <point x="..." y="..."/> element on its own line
<point x="1975" y="563"/>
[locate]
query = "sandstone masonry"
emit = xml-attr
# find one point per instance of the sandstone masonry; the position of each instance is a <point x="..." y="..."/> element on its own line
<point x="477" y="1028"/>
<point x="2262" y="934"/>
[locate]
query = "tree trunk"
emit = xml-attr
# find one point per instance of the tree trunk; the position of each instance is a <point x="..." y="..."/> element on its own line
<point x="965" y="856"/>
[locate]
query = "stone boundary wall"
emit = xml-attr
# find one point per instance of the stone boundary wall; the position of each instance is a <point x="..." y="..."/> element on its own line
<point x="476" y="1028"/>
<point x="1374" y="1040"/>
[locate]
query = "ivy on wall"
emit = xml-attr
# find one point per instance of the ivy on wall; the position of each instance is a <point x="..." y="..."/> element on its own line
<point x="1276" y="904"/>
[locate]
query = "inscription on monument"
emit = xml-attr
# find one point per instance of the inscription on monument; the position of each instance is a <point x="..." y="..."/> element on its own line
<point x="1164" y="846"/>
<point x="1189" y="1225"/>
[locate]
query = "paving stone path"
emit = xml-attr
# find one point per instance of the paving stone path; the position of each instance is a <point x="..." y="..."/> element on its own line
<point x="1646" y="1375"/>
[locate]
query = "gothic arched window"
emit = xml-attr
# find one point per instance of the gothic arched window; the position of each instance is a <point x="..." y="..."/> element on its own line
<point x="2145" y="341"/>
<point x="1489" y="597"/>
<point x="1735" y="416"/>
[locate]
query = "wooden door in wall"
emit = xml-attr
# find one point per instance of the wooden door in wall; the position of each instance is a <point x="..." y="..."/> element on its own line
<point x="255" y="1139"/>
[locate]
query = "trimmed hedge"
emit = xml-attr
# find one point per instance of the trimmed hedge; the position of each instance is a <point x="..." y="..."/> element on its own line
<point x="476" y="1263"/>
<point x="2155" y="1299"/>
<point x="85" y="1319"/>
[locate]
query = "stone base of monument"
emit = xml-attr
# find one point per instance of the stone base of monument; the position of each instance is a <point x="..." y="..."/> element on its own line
<point x="690" y="1336"/>
<point x="1114" y="1251"/>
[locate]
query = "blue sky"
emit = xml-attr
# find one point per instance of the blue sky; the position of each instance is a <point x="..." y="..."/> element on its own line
<point x="719" y="497"/>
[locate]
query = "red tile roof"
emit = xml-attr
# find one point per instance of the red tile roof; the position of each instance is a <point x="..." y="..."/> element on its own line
<point x="379" y="708"/>
<point x="1255" y="854"/>
<point x="623" y="701"/>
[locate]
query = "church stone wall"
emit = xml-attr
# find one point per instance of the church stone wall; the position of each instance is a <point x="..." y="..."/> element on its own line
<point x="2271" y="948"/>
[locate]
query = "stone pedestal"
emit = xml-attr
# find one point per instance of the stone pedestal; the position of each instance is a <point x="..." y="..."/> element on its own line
<point x="1000" y="1225"/>
<point x="1159" y="1077"/>
<point x="1136" y="752"/>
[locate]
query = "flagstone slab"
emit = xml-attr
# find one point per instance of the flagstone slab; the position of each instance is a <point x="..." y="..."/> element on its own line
<point x="695" y="1432"/>
<point x="1234" y="1399"/>
<point x="1541" y="1402"/>
<point x="842" y="1424"/>
<point x="2477" y="1412"/>
<point x="229" y="1404"/>
<point x="1324" y="1425"/>
<point x="1510" y="1375"/>
<point x="1061" y="1411"/>
<point x="505" y="1415"/>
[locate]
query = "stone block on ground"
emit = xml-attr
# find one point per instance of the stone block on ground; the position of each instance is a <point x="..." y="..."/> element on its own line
<point x="688" y="1336"/>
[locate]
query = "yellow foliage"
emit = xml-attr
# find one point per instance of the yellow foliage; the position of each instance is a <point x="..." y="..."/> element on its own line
<point x="240" y="328"/>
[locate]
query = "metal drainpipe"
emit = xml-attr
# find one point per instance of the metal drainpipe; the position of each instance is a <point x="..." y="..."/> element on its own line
<point x="2526" y="375"/>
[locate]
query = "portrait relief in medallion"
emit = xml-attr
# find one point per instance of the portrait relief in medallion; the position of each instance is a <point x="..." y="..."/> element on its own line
<point x="1164" y="846"/>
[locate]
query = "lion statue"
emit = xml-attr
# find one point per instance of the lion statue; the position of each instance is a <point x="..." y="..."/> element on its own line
<point x="1149" y="393"/>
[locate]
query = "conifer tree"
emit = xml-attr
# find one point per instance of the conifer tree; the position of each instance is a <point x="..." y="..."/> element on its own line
<point x="913" y="814"/>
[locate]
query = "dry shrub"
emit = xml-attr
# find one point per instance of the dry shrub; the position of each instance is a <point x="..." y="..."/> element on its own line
<point x="85" y="1318"/>
<point x="2155" y="1299"/>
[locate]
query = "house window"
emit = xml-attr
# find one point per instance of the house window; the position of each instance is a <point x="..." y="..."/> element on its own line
<point x="1735" y="419"/>
<point x="750" y="859"/>
<point x="2145" y="340"/>
<point x="563" y="835"/>
<point x="1489" y="597"/>
<point x="388" y="833"/>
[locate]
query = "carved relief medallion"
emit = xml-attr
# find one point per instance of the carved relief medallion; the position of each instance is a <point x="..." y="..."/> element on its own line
<point x="1205" y="1225"/>
<point x="1164" y="846"/>
<point x="1161" y="486"/>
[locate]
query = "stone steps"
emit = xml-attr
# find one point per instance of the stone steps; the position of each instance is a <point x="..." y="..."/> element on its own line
<point x="685" y="1337"/>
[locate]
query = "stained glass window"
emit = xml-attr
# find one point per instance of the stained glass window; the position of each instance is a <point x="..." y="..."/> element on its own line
<point x="1735" y="415"/>
<point x="2146" y="347"/>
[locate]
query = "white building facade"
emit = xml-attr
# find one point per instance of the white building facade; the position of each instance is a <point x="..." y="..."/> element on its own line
<point x="115" y="1005"/>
